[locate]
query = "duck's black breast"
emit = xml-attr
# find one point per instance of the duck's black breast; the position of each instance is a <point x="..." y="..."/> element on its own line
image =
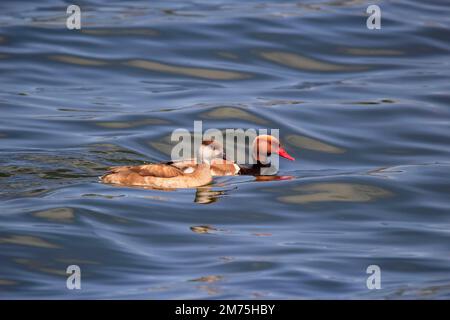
<point x="254" y="170"/>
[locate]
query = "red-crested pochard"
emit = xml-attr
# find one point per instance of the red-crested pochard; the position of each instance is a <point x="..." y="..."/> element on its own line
<point x="263" y="146"/>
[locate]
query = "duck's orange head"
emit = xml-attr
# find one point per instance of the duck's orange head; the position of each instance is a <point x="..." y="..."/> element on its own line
<point x="265" y="145"/>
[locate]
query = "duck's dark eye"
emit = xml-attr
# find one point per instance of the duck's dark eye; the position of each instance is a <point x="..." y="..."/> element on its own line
<point x="207" y="142"/>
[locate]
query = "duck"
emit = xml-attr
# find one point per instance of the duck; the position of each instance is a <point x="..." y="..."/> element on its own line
<point x="263" y="146"/>
<point x="165" y="175"/>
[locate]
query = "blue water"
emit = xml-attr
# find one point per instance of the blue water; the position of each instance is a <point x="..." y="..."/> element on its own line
<point x="364" y="112"/>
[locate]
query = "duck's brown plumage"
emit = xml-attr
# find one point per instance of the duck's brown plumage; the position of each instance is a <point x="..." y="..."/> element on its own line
<point x="163" y="176"/>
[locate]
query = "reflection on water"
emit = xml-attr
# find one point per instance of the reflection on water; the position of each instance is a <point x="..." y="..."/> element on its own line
<point x="312" y="144"/>
<point x="4" y="282"/>
<point x="44" y="267"/>
<point x="228" y="113"/>
<point x="204" y="73"/>
<point x="205" y="195"/>
<point x="27" y="241"/>
<point x="304" y="63"/>
<point x="77" y="60"/>
<point x="364" y="112"/>
<point x="371" y="52"/>
<point x="120" y="32"/>
<point x="203" y="229"/>
<point x="320" y="192"/>
<point x="130" y="124"/>
<point x="208" y="279"/>
<point x="56" y="214"/>
<point x="273" y="178"/>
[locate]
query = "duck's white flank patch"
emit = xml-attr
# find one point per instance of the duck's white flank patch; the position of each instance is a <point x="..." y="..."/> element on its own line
<point x="188" y="170"/>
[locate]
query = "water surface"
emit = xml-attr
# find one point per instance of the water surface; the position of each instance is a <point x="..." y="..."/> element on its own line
<point x="364" y="112"/>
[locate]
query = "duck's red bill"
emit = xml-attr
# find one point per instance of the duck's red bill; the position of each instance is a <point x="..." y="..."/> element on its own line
<point x="284" y="154"/>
